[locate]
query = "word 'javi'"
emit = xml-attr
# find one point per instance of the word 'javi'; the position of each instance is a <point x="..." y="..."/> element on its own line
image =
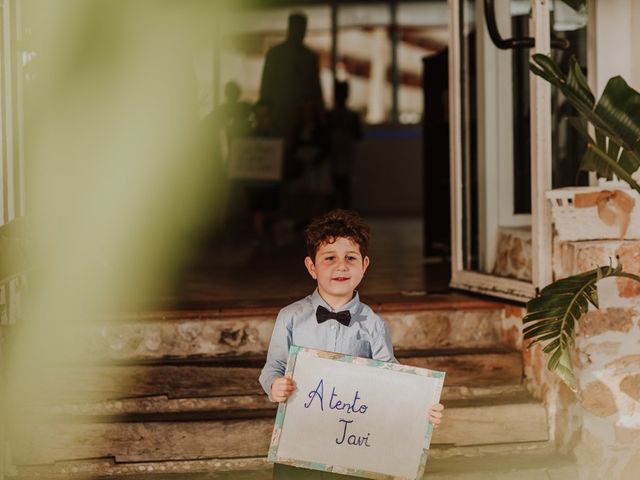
<point x="335" y="404"/>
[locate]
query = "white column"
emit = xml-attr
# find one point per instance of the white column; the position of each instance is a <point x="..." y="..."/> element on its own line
<point x="540" y="101"/>
<point x="378" y="75"/>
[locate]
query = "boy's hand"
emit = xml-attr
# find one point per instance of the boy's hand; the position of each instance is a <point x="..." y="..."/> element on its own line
<point x="435" y="414"/>
<point x="282" y="387"/>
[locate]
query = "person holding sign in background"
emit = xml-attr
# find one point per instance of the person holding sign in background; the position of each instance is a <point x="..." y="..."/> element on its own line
<point x="264" y="197"/>
<point x="332" y="318"/>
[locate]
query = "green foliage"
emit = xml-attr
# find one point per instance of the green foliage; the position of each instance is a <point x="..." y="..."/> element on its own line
<point x="552" y="316"/>
<point x="615" y="118"/>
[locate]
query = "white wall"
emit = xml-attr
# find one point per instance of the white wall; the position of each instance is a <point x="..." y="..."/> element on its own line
<point x="634" y="24"/>
<point x="614" y="32"/>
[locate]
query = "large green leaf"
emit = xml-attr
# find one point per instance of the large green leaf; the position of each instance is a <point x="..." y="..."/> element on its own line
<point x="577" y="83"/>
<point x="615" y="117"/>
<point x="619" y="109"/>
<point x="552" y="316"/>
<point x="629" y="161"/>
<point x="616" y="166"/>
<point x="574" y="86"/>
<point x="590" y="161"/>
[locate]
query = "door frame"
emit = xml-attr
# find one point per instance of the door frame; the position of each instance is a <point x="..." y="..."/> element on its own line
<point x="540" y="100"/>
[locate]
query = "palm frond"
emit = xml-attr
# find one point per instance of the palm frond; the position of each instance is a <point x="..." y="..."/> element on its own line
<point x="552" y="316"/>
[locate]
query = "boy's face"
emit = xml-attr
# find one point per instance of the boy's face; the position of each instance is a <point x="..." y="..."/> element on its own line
<point x="338" y="268"/>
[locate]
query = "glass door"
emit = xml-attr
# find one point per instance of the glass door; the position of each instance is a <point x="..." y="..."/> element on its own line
<point x="501" y="155"/>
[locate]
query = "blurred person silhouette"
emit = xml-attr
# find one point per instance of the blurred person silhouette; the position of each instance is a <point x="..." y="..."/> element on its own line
<point x="228" y="120"/>
<point x="262" y="125"/>
<point x="232" y="116"/>
<point x="263" y="197"/>
<point x="308" y="166"/>
<point x="291" y="74"/>
<point x="345" y="129"/>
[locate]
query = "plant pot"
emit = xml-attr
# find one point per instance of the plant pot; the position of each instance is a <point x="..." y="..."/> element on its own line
<point x="573" y="222"/>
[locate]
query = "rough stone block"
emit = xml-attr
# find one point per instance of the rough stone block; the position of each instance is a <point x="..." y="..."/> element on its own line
<point x="570" y="258"/>
<point x="597" y="322"/>
<point x="627" y="435"/>
<point x="513" y="256"/>
<point x="630" y="385"/>
<point x="629" y="255"/>
<point x="606" y="349"/>
<point x="512" y="326"/>
<point x="598" y="399"/>
<point x="626" y="364"/>
<point x="631" y="469"/>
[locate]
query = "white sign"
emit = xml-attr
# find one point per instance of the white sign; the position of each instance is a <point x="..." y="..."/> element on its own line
<point x="355" y="416"/>
<point x="256" y="158"/>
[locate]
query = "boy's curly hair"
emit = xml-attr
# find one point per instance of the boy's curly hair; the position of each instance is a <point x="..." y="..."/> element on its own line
<point x="334" y="224"/>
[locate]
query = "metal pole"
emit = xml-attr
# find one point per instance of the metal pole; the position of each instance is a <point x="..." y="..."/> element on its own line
<point x="393" y="7"/>
<point x="334" y="44"/>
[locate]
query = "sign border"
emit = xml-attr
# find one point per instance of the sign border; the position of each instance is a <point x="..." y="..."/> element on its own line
<point x="234" y="172"/>
<point x="294" y="350"/>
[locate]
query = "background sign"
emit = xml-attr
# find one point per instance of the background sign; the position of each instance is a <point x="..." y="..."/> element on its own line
<point x="355" y="416"/>
<point x="256" y="158"/>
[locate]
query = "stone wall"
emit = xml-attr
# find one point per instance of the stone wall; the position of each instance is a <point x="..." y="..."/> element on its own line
<point x="513" y="253"/>
<point x="600" y="423"/>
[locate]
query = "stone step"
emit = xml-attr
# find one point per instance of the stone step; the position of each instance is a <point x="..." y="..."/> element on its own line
<point x="162" y="408"/>
<point x="246" y="332"/>
<point x="470" y="422"/>
<point x="509" y="462"/>
<point x="503" y="467"/>
<point x="219" y="377"/>
<point x="108" y="408"/>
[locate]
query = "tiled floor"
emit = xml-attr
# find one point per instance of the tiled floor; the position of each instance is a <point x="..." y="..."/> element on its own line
<point x="235" y="273"/>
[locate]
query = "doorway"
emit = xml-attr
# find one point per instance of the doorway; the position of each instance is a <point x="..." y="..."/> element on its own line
<point x="380" y="49"/>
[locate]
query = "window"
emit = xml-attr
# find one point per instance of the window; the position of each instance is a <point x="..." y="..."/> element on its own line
<point x="380" y="47"/>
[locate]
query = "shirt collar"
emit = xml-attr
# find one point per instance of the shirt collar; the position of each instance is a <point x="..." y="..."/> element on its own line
<point x="352" y="305"/>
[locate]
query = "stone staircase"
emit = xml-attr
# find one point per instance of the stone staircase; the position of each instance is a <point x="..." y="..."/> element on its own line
<point x="175" y="394"/>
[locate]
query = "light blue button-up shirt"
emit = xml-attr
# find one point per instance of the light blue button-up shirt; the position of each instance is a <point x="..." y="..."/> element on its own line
<point x="366" y="336"/>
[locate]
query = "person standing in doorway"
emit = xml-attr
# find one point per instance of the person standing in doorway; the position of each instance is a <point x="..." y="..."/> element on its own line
<point x="291" y="76"/>
<point x="345" y="129"/>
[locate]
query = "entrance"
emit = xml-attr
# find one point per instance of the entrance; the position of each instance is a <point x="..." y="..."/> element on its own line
<point x="504" y="127"/>
<point x="383" y="50"/>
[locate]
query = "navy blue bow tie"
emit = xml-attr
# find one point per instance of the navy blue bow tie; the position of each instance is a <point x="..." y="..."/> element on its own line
<point x="322" y="315"/>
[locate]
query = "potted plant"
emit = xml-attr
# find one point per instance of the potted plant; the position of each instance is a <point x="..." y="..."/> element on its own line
<point x="614" y="151"/>
<point x="552" y="317"/>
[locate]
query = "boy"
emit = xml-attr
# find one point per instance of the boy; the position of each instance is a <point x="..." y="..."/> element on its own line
<point x="332" y="318"/>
